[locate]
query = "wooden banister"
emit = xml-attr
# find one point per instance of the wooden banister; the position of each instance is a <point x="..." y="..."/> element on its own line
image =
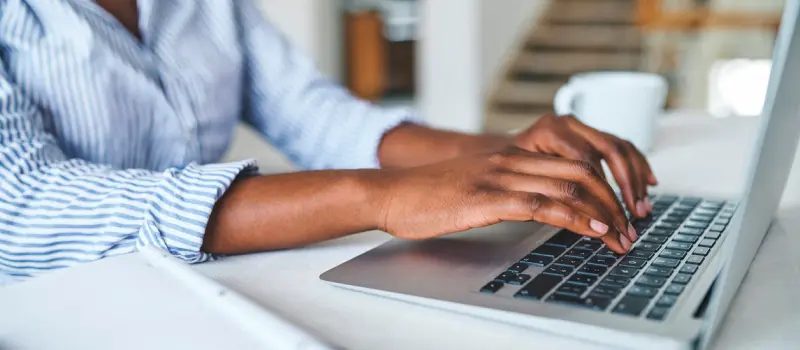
<point x="652" y="17"/>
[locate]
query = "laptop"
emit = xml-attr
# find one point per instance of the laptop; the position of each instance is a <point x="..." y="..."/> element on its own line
<point x="672" y="289"/>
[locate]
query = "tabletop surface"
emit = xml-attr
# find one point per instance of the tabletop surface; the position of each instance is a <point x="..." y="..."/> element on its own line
<point x="121" y="303"/>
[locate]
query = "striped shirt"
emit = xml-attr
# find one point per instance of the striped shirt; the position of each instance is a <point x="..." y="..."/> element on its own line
<point x="108" y="142"/>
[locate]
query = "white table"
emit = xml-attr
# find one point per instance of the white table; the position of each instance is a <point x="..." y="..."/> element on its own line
<point x="120" y="303"/>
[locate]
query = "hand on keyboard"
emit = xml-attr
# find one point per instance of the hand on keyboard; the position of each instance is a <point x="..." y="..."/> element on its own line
<point x="511" y="185"/>
<point x="569" y="138"/>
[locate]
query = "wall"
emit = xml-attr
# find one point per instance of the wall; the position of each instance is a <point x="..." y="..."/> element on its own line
<point x="465" y="45"/>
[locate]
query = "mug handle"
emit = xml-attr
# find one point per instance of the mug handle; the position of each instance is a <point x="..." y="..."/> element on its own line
<point x="564" y="101"/>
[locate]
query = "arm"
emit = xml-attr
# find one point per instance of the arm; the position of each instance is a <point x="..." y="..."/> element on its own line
<point x="56" y="211"/>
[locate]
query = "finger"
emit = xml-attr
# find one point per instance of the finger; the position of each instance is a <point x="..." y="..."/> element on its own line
<point x="620" y="165"/>
<point x="522" y="206"/>
<point x="648" y="170"/>
<point x="567" y="192"/>
<point x="638" y="177"/>
<point x="568" y="144"/>
<point x="533" y="164"/>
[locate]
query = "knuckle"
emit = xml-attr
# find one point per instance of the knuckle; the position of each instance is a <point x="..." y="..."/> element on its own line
<point x="584" y="168"/>
<point x="534" y="202"/>
<point x="570" y="190"/>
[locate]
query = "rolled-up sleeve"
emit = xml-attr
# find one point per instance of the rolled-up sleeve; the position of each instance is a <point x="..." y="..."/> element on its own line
<point x="317" y="123"/>
<point x="56" y="212"/>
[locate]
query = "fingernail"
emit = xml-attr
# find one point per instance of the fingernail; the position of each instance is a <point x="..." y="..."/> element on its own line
<point x="632" y="232"/>
<point x="625" y="242"/>
<point x="641" y="208"/>
<point x="598" y="226"/>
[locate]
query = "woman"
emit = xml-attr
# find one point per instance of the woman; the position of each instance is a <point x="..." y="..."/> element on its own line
<point x="114" y="112"/>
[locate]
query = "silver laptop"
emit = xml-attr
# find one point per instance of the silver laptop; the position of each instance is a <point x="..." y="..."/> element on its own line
<point x="670" y="291"/>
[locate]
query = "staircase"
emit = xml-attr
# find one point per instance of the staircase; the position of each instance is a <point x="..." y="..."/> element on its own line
<point x="573" y="36"/>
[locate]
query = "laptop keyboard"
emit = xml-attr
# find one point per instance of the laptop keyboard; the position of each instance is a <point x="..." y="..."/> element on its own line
<point x="580" y="271"/>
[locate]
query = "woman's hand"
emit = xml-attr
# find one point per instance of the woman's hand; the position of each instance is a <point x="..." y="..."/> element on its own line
<point x="510" y="185"/>
<point x="569" y="138"/>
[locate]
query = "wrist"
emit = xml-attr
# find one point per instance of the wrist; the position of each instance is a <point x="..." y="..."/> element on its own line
<point x="375" y="188"/>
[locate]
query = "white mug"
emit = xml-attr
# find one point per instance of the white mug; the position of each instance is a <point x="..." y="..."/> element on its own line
<point x="625" y="104"/>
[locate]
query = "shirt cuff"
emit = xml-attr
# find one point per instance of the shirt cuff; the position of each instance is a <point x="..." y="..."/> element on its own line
<point x="178" y="213"/>
<point x="374" y="130"/>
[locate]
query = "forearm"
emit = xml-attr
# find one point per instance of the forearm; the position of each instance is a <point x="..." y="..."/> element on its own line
<point x="411" y="145"/>
<point x="262" y="213"/>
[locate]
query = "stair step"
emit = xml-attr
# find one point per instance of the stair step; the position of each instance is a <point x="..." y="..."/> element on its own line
<point x="582" y="37"/>
<point x="538" y="93"/>
<point x="569" y="63"/>
<point x="596" y="12"/>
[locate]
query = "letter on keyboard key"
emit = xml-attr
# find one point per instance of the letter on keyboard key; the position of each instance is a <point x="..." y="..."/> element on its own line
<point x="701" y="251"/>
<point x="674" y="289"/>
<point x="631" y="305"/>
<point x="518" y="267"/>
<point x="536" y="260"/>
<point x="578" y="253"/>
<point x="689" y="268"/>
<point x="492" y="287"/>
<point x="682" y="278"/>
<point x="679" y="245"/>
<point x="667" y="300"/>
<point x="590" y="245"/>
<point x="597" y="302"/>
<point x="640" y="253"/>
<point x="602" y="261"/>
<point x="539" y="286"/>
<point x="633" y="263"/>
<point x="559" y="270"/>
<point x="624" y="271"/>
<point x="651" y="281"/>
<point x="642" y="291"/>
<point x="648" y="246"/>
<point x="654" y="239"/>
<point x="615" y="281"/>
<point x="592" y="270"/>
<point x="610" y="292"/>
<point x="582" y="279"/>
<point x="658" y="271"/>
<point x="672" y="254"/>
<point x="666" y="262"/>
<point x="608" y="252"/>
<point x="567" y="261"/>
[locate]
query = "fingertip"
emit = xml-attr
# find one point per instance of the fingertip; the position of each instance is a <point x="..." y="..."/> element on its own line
<point x="626" y="244"/>
<point x="598" y="226"/>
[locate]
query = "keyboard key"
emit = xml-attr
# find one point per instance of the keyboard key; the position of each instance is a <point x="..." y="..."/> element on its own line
<point x="567" y="261"/>
<point x="719" y="228"/>
<point x="559" y="270"/>
<point x="726" y="216"/>
<point x="624" y="271"/>
<point x="592" y="270"/>
<point x="578" y="254"/>
<point x="585" y="280"/>
<point x="695" y="259"/>
<point x="685" y="238"/>
<point x="615" y="281"/>
<point x="695" y="225"/>
<point x="590" y="245"/>
<point x="506" y="276"/>
<point x="674" y="289"/>
<point x="682" y="278"/>
<point x="658" y="271"/>
<point x="690" y="231"/>
<point x="648" y="246"/>
<point x="597" y="302"/>
<point x="693" y="201"/>
<point x="610" y="292"/>
<point x="642" y="291"/>
<point x="683" y="211"/>
<point x="539" y="286"/>
<point x="689" y="268"/>
<point x="572" y="289"/>
<point x="667" y="226"/>
<point x="520" y="279"/>
<point x="679" y="246"/>
<point x="658" y="313"/>
<point x="673" y="254"/>
<point x="536" y="260"/>
<point x="672" y="220"/>
<point x="564" y="239"/>
<point x="492" y="287"/>
<point x="650" y="281"/>
<point x="701" y="251"/>
<point x="633" y="262"/>
<point x="666" y="262"/>
<point x="668" y="199"/>
<point x="640" y="253"/>
<point x="701" y="218"/>
<point x="654" y="239"/>
<point x="707" y="243"/>
<point x="661" y="232"/>
<point x="608" y="252"/>
<point x="713" y="235"/>
<point x="602" y="261"/>
<point x="568" y="299"/>
<point x="631" y="305"/>
<point x="518" y="267"/>
<point x="723" y="221"/>
<point x="548" y="250"/>
<point x="667" y="300"/>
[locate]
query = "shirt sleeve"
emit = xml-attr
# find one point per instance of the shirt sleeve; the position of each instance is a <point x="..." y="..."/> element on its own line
<point x="56" y="211"/>
<point x="311" y="119"/>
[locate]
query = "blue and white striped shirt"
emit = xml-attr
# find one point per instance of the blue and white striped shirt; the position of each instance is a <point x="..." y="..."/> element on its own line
<point x="108" y="142"/>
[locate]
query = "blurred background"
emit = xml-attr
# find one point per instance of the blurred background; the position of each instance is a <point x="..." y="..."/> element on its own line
<point x="495" y="65"/>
